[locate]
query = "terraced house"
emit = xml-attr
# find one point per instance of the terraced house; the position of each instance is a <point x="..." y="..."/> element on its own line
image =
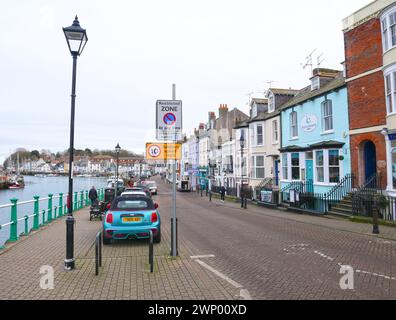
<point x="315" y="152"/>
<point x="264" y="142"/>
<point x="370" y="56"/>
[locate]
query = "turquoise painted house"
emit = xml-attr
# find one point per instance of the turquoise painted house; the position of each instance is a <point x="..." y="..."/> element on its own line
<point x="315" y="152"/>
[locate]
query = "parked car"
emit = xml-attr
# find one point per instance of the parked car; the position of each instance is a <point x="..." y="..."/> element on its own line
<point x="132" y="217"/>
<point x="152" y="185"/>
<point x="140" y="188"/>
<point x="134" y="192"/>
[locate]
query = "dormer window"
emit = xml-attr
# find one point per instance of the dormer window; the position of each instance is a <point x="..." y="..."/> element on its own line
<point x="315" y="83"/>
<point x="254" y="110"/>
<point x="271" y="103"/>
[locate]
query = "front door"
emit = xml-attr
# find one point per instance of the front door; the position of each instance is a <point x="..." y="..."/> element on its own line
<point x="277" y="172"/>
<point x="309" y="170"/>
<point x="370" y="160"/>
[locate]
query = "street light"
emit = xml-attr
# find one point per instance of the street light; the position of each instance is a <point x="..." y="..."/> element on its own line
<point x="242" y="144"/>
<point x="117" y="150"/>
<point x="76" y="38"/>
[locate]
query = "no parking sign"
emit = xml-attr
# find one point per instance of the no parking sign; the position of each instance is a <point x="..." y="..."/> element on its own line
<point x="169" y="120"/>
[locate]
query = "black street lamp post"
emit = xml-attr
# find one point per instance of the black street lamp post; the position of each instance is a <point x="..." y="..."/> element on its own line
<point x="76" y="38"/>
<point x="117" y="149"/>
<point x="241" y="192"/>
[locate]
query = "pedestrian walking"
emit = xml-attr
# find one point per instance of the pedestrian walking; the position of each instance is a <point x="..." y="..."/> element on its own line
<point x="222" y="193"/>
<point x="93" y="195"/>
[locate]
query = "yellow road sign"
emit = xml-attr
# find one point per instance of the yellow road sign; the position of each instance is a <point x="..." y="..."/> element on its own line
<point x="163" y="151"/>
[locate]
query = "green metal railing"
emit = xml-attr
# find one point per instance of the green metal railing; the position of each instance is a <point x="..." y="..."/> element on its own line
<point x="48" y="215"/>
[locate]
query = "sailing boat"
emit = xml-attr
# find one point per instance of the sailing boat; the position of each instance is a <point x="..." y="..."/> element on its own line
<point x="16" y="181"/>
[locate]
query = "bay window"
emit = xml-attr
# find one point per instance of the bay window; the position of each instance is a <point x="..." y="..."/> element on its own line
<point x="394" y="164"/>
<point x="257" y="169"/>
<point x="285" y="167"/>
<point x="319" y="166"/>
<point x="295" y="166"/>
<point x="334" y="166"/>
<point x="388" y="26"/>
<point x="390" y="89"/>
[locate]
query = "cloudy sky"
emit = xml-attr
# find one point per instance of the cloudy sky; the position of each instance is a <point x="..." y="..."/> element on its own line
<point x="215" y="51"/>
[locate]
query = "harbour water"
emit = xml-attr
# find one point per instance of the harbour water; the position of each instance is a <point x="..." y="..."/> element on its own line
<point x="40" y="186"/>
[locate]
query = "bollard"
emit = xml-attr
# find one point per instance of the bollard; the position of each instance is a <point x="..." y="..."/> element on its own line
<point x="60" y="204"/>
<point x="100" y="248"/>
<point x="96" y="256"/>
<point x="151" y="252"/>
<point x="81" y="199"/>
<point x="50" y="207"/>
<point x="177" y="250"/>
<point x="36" y="218"/>
<point x="26" y="225"/>
<point x="75" y="201"/>
<point x="14" y="220"/>
<point x="375" y="222"/>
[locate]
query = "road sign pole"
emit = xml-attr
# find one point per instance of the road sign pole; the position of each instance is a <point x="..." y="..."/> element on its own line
<point x="174" y="239"/>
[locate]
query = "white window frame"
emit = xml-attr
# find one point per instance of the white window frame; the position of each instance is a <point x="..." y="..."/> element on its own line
<point x="324" y="116"/>
<point x="275" y="132"/>
<point x="292" y="124"/>
<point x="254" y="110"/>
<point x="255" y="167"/>
<point x="271" y="103"/>
<point x="257" y="135"/>
<point x="339" y="165"/>
<point x="326" y="168"/>
<point x="285" y="155"/>
<point x="315" y="83"/>
<point x="390" y="93"/>
<point x="299" y="166"/>
<point x="386" y="29"/>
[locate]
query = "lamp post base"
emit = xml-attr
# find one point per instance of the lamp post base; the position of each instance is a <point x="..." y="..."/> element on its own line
<point x="69" y="261"/>
<point x="69" y="264"/>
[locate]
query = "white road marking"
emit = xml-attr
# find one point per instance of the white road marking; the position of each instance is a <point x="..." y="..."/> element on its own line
<point x="203" y="256"/>
<point x="219" y="274"/>
<point x="245" y="294"/>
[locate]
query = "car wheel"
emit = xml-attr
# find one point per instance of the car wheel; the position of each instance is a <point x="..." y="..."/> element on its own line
<point x="157" y="237"/>
<point x="106" y="241"/>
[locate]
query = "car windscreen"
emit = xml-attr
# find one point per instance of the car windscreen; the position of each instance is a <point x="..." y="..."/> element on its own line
<point x="133" y="204"/>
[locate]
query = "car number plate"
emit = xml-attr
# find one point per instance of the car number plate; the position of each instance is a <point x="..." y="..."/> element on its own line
<point x="131" y="219"/>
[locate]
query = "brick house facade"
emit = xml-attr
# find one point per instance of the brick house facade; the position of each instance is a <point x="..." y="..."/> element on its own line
<point x="366" y="98"/>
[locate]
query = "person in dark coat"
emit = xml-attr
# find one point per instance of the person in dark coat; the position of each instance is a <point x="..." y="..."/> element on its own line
<point x="93" y="195"/>
<point x="222" y="193"/>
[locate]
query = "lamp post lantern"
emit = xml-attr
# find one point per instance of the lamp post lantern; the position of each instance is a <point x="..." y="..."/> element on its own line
<point x="117" y="150"/>
<point x="76" y="38"/>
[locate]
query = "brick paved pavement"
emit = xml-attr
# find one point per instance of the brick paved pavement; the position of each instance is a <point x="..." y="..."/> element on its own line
<point x="124" y="275"/>
<point x="268" y="253"/>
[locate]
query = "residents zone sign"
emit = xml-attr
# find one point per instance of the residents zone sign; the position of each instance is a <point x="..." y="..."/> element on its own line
<point x="169" y="120"/>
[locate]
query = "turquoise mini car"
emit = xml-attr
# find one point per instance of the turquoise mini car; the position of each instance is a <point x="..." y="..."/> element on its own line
<point x="132" y="217"/>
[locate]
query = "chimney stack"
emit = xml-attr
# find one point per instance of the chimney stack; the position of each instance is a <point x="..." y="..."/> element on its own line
<point x="223" y="110"/>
